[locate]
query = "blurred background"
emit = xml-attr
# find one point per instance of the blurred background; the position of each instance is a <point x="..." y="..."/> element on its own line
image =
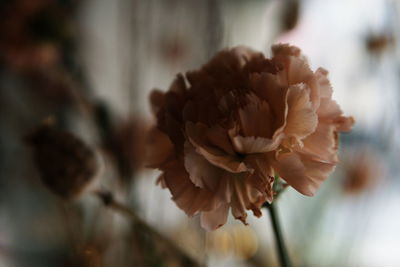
<point x="90" y="64"/>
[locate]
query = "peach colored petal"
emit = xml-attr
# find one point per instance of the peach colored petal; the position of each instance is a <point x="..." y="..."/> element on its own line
<point x="255" y="119"/>
<point x="245" y="196"/>
<point x="159" y="148"/>
<point x="202" y="173"/>
<point x="328" y="110"/>
<point x="298" y="71"/>
<point x="302" y="172"/>
<point x="344" y="124"/>
<point x="212" y="220"/>
<point x="285" y="50"/>
<point x="186" y="195"/>
<point x="325" y="88"/>
<point x="267" y="87"/>
<point x="263" y="177"/>
<point x="301" y="119"/>
<point x="294" y="67"/>
<point x="216" y="156"/>
<point x="322" y="143"/>
<point x="251" y="144"/>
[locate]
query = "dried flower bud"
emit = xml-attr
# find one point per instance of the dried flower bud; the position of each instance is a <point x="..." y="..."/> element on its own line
<point x="66" y="164"/>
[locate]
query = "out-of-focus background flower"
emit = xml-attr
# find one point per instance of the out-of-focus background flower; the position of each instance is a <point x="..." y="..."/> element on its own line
<point x="91" y="65"/>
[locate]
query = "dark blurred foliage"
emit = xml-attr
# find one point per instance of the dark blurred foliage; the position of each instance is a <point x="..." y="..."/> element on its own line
<point x="41" y="74"/>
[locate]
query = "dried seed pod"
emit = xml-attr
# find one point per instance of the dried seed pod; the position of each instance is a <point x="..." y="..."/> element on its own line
<point x="65" y="163"/>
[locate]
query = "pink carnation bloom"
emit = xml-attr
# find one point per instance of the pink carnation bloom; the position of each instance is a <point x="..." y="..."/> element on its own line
<point x="225" y="131"/>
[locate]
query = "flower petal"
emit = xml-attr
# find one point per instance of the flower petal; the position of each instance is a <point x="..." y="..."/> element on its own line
<point x="188" y="197"/>
<point x="267" y="87"/>
<point x="202" y="173"/>
<point x="197" y="134"/>
<point x="244" y="197"/>
<point x="255" y="118"/>
<point x="159" y="148"/>
<point x="251" y="144"/>
<point x="301" y="119"/>
<point x="322" y="143"/>
<point x="212" y="220"/>
<point x="303" y="173"/>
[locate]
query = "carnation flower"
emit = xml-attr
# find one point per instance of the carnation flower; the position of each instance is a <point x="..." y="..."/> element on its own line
<point x="225" y="131"/>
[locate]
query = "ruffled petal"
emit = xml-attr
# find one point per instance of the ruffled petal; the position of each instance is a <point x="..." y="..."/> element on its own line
<point x="263" y="177"/>
<point x="246" y="197"/>
<point x="267" y="87"/>
<point x="212" y="220"/>
<point x="255" y="118"/>
<point x="159" y="149"/>
<point x="322" y="143"/>
<point x="187" y="196"/>
<point x="301" y="119"/>
<point x="197" y="134"/>
<point x="251" y="144"/>
<point x="302" y="172"/>
<point x="329" y="112"/>
<point x="324" y="86"/>
<point x="201" y="172"/>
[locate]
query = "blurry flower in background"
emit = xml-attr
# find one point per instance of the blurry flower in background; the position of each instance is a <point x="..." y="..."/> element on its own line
<point x="66" y="165"/>
<point x="173" y="49"/>
<point x="290" y="15"/>
<point x="377" y="43"/>
<point x="238" y="241"/>
<point x="223" y="132"/>
<point x="364" y="169"/>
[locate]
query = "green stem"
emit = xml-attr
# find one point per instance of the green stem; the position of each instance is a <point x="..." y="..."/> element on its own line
<point x="282" y="252"/>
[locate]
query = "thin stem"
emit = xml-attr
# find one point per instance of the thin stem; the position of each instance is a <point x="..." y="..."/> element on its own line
<point x="108" y="200"/>
<point x="282" y="252"/>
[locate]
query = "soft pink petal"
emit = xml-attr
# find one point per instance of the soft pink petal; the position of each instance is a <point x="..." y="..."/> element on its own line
<point x="263" y="177"/>
<point x="301" y="172"/>
<point x="285" y="50"/>
<point x="325" y="88"/>
<point x="202" y="173"/>
<point x="344" y="124"/>
<point x="330" y="112"/>
<point x="298" y="71"/>
<point x="188" y="197"/>
<point x="246" y="197"/>
<point x="249" y="145"/>
<point x="159" y="148"/>
<point x="322" y="143"/>
<point x="267" y="87"/>
<point x="255" y="119"/>
<point x="212" y="220"/>
<point x="216" y="156"/>
<point x="301" y="119"/>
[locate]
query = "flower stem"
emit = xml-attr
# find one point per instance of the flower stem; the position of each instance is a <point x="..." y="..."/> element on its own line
<point x="282" y="252"/>
<point x="109" y="201"/>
